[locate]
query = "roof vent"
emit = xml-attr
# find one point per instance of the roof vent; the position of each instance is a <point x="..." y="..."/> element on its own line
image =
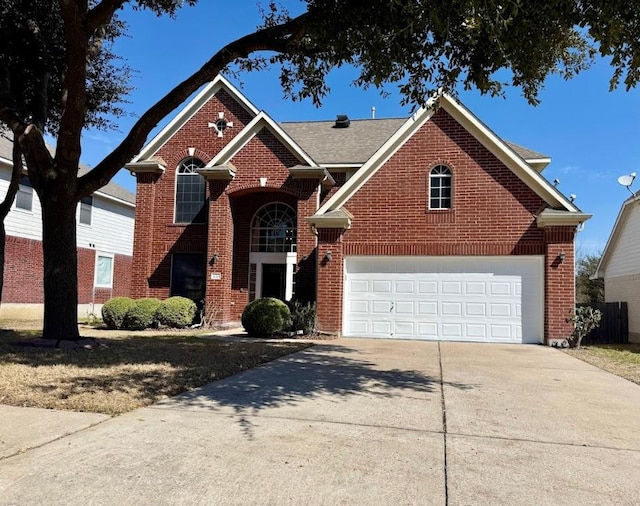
<point x="342" y="121"/>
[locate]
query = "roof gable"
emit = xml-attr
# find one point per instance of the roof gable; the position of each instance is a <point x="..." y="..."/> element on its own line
<point x="628" y="218"/>
<point x="477" y="129"/>
<point x="262" y="120"/>
<point x="189" y="110"/>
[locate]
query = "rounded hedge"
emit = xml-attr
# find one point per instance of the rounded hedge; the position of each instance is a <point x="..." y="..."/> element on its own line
<point x="176" y="312"/>
<point x="142" y="314"/>
<point x="265" y="317"/>
<point x="115" y="310"/>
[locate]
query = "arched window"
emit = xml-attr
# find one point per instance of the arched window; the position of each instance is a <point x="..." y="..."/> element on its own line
<point x="274" y="229"/>
<point x="440" y="187"/>
<point x="190" y="192"/>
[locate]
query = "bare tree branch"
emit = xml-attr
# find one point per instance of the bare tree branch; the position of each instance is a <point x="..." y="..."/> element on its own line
<point x="101" y="15"/>
<point x="281" y="38"/>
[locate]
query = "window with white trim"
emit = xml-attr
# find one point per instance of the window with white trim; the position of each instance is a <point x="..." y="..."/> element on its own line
<point x="24" y="196"/>
<point x="190" y="192"/>
<point x="86" y="206"/>
<point x="274" y="229"/>
<point x="104" y="270"/>
<point x="440" y="187"/>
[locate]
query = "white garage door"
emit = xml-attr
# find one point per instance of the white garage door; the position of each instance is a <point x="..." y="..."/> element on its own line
<point x="493" y="299"/>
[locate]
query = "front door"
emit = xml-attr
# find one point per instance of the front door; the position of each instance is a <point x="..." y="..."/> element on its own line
<point x="274" y="280"/>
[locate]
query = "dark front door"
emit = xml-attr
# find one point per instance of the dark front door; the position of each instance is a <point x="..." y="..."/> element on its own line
<point x="273" y="280"/>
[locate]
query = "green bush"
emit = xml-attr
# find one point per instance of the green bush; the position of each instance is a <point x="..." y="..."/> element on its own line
<point x="176" y="312"/>
<point x="303" y="317"/>
<point x="115" y="310"/>
<point x="265" y="317"/>
<point x="142" y="314"/>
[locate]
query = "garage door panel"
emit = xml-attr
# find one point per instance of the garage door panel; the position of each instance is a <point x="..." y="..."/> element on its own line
<point x="454" y="298"/>
<point x="427" y="308"/>
<point x="405" y="286"/>
<point x="451" y="309"/>
<point x="381" y="306"/>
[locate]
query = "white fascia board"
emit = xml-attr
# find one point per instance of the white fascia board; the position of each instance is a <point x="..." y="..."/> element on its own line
<point x="538" y="164"/>
<point x="613" y="237"/>
<point x="379" y="158"/>
<point x="560" y="219"/>
<point x="262" y="120"/>
<point x="506" y="155"/>
<point x="114" y="199"/>
<point x="189" y="110"/>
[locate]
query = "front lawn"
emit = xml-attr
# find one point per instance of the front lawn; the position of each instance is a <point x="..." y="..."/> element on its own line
<point x="131" y="372"/>
<point x="620" y="359"/>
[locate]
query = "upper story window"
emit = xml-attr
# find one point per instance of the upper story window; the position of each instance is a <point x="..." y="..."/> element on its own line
<point x="86" y="206"/>
<point x="440" y="187"/>
<point x="190" y="192"/>
<point x="274" y="229"/>
<point x="24" y="196"/>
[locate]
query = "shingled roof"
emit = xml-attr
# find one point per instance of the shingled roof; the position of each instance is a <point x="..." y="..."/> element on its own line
<point x="111" y="189"/>
<point x="354" y="145"/>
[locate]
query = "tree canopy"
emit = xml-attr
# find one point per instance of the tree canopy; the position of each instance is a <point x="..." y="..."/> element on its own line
<point x="58" y="74"/>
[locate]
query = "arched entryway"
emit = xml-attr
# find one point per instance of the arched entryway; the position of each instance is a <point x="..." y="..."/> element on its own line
<point x="272" y="257"/>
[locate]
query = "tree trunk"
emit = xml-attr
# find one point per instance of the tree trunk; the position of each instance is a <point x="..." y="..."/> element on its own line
<point x="3" y="241"/>
<point x="60" y="266"/>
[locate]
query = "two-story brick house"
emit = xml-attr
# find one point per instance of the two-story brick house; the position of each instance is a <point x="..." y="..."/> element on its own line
<point x="425" y="227"/>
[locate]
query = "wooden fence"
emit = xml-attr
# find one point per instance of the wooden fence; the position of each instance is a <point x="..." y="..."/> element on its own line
<point x="614" y="326"/>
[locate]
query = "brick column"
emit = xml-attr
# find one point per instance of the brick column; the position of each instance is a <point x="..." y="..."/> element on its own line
<point x="306" y="243"/>
<point x="330" y="280"/>
<point x="142" y="260"/>
<point x="559" y="282"/>
<point x="219" y="253"/>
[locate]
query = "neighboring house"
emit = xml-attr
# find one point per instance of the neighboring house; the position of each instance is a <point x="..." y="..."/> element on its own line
<point x="428" y="227"/>
<point x="105" y="245"/>
<point x="620" y="264"/>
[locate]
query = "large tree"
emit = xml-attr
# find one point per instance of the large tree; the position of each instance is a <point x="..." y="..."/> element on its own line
<point x="57" y="74"/>
<point x="587" y="289"/>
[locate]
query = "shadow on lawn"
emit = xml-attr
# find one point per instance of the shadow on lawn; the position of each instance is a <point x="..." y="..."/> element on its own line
<point x="330" y="373"/>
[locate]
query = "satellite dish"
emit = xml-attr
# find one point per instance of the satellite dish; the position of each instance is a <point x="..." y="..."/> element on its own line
<point x="627" y="180"/>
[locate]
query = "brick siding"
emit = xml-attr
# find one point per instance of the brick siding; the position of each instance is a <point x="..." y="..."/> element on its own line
<point x="23" y="282"/>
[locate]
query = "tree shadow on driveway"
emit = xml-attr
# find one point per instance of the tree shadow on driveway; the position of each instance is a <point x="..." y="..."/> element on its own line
<point x="333" y="377"/>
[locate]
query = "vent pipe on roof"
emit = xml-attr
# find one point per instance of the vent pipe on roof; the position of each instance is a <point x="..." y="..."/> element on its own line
<point x="373" y="112"/>
<point x="342" y="121"/>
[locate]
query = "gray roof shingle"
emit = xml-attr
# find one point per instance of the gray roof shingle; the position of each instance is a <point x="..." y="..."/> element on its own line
<point x="357" y="143"/>
<point x="111" y="189"/>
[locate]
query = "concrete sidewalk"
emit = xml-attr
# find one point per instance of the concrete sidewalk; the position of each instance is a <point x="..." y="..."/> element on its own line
<point x="361" y="422"/>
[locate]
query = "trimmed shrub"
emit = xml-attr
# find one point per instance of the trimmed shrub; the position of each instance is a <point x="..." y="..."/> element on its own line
<point x="176" y="312"/>
<point x="142" y="314"/>
<point x="115" y="310"/>
<point x="265" y="317"/>
<point x="303" y="317"/>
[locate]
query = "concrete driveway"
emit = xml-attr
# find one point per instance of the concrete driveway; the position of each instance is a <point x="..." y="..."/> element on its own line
<point x="360" y="422"/>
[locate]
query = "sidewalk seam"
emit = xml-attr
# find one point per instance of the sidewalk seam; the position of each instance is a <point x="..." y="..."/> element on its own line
<point x="444" y="428"/>
<point x="22" y="451"/>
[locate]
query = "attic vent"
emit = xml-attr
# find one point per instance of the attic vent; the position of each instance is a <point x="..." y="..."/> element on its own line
<point x="342" y="121"/>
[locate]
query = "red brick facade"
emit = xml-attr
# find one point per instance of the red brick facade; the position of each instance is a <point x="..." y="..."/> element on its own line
<point x="23" y="274"/>
<point x="493" y="213"/>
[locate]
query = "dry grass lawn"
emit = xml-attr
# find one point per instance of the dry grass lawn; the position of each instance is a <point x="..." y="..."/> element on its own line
<point x="620" y="359"/>
<point x="132" y="371"/>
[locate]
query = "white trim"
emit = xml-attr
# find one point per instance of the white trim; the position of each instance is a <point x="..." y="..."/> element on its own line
<point x="189" y="110"/>
<point x="95" y="269"/>
<point x="114" y="199"/>
<point x="261" y="121"/>
<point x="613" y="237"/>
<point x="288" y="259"/>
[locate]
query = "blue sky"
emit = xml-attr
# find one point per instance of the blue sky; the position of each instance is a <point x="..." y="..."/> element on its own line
<point x="592" y="135"/>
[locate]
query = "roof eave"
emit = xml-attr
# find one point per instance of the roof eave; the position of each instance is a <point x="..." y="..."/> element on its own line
<point x="561" y="219"/>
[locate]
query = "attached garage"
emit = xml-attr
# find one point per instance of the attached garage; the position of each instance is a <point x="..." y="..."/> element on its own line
<point x="490" y="299"/>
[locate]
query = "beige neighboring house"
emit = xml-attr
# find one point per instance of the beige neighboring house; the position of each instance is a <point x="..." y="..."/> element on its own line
<point x="620" y="264"/>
